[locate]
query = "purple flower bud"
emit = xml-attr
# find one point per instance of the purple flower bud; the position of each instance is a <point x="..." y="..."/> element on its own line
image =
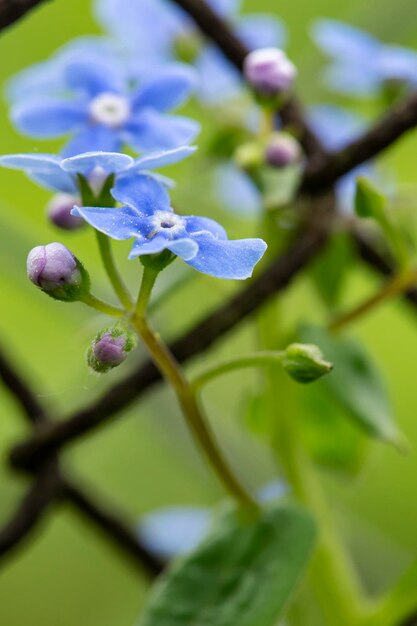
<point x="269" y="72"/>
<point x="56" y="271"/>
<point x="59" y="212"/>
<point x="282" y="150"/>
<point x="110" y="348"/>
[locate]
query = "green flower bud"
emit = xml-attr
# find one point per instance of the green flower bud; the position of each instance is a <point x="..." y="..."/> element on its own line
<point x="305" y="363"/>
<point x="110" y="348"/>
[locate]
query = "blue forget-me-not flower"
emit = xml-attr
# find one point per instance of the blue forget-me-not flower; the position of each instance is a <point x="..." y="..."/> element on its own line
<point x="58" y="174"/>
<point x="361" y="64"/>
<point x="147" y="216"/>
<point x="154" y="29"/>
<point x="103" y="113"/>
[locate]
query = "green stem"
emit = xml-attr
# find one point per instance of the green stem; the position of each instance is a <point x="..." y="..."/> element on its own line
<point x="332" y="576"/>
<point x="103" y="307"/>
<point x="399" y="604"/>
<point x="193" y="413"/>
<point x="112" y="272"/>
<point x="394" y="286"/>
<point x="260" y="359"/>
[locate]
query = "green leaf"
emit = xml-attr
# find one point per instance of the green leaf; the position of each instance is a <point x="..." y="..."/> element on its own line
<point x="369" y="202"/>
<point x="243" y="574"/>
<point x="329" y="272"/>
<point x="332" y="439"/>
<point x="356" y="384"/>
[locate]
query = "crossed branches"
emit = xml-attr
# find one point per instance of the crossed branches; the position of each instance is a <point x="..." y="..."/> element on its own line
<point x="39" y="453"/>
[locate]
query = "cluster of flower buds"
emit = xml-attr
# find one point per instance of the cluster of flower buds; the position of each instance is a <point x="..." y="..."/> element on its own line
<point x="110" y="348"/>
<point x="270" y="73"/>
<point x="58" y="272"/>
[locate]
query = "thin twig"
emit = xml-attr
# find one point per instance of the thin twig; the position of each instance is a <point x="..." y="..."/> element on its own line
<point x="45" y="490"/>
<point x="324" y="169"/>
<point x="113" y="525"/>
<point x="13" y="10"/>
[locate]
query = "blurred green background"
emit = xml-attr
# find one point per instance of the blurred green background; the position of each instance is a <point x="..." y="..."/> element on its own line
<point x="68" y="574"/>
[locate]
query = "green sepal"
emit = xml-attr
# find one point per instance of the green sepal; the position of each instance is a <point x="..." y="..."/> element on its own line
<point x="157" y="262"/>
<point x="118" y="330"/>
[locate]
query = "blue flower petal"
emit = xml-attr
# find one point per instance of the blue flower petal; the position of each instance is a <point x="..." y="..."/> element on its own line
<point x="49" y="117"/>
<point x="152" y="130"/>
<point x="94" y="77"/>
<point x="185" y="248"/>
<point x="197" y="225"/>
<point x="272" y="491"/>
<point x="236" y="191"/>
<point x="398" y="63"/>
<point x="97" y="138"/>
<point x="174" y="531"/>
<point x="357" y="79"/>
<point x="219" y="79"/>
<point x="342" y="40"/>
<point x="42" y="168"/>
<point x="335" y="126"/>
<point x="225" y="8"/>
<point x="111" y="162"/>
<point x="123" y="223"/>
<point x="262" y="31"/>
<point x="148" y="27"/>
<point x="154" y="160"/>
<point x="143" y="193"/>
<point x="144" y="246"/>
<point x="166" y="89"/>
<point x="227" y="259"/>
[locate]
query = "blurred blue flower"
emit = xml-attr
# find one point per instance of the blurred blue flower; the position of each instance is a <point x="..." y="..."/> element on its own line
<point x="147" y="217"/>
<point x="336" y="127"/>
<point x="58" y="174"/>
<point x="105" y="115"/>
<point x="154" y="29"/>
<point x="360" y="63"/>
<point x="173" y="531"/>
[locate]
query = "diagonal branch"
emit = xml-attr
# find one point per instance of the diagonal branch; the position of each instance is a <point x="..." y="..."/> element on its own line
<point x="278" y="275"/>
<point x="45" y="489"/>
<point x="13" y="10"/>
<point x="113" y="524"/>
<point x="324" y="169"/>
<point x="50" y="484"/>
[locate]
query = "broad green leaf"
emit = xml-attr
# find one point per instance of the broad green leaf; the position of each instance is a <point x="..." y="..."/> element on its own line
<point x="330" y="270"/>
<point x="369" y="202"/>
<point x="243" y="574"/>
<point x="356" y="384"/>
<point x="332" y="439"/>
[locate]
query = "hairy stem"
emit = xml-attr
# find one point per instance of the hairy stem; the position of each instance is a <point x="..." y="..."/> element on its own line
<point x="112" y="271"/>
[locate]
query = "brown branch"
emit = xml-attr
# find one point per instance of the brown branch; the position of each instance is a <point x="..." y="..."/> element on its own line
<point x="45" y="489"/>
<point x="324" y="169"/>
<point x="280" y="272"/>
<point x="13" y="10"/>
<point x="50" y="484"/>
<point x="22" y="393"/>
<point x="113" y="525"/>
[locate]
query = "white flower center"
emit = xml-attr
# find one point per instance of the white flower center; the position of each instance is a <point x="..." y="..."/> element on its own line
<point x="167" y="222"/>
<point x="110" y="109"/>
